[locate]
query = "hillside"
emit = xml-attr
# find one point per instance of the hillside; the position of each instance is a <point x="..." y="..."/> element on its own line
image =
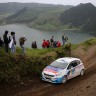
<point x="33" y="86"/>
<point x="36" y="12"/>
<point x="82" y="16"/>
<point x="50" y="17"/>
<point x="39" y="16"/>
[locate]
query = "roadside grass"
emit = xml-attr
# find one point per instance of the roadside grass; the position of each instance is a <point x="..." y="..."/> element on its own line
<point x="38" y="52"/>
<point x="88" y="43"/>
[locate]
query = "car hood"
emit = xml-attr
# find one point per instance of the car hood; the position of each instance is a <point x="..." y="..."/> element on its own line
<point x="52" y="70"/>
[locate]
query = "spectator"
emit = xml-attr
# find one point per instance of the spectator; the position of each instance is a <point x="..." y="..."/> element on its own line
<point x="34" y="45"/>
<point x="55" y="44"/>
<point x="52" y="41"/>
<point x="58" y="44"/>
<point x="12" y="42"/>
<point x="47" y="44"/>
<point x="22" y="40"/>
<point x="64" y="38"/>
<point x="6" y="41"/>
<point x="44" y="44"/>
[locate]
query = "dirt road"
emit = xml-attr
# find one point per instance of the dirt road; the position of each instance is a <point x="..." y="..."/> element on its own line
<point x="79" y="86"/>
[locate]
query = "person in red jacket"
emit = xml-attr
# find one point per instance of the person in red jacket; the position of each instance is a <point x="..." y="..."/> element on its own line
<point x="58" y="44"/>
<point x="44" y="44"/>
<point x="47" y="44"/>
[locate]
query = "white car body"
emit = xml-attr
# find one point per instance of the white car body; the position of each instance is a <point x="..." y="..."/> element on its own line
<point x="62" y="70"/>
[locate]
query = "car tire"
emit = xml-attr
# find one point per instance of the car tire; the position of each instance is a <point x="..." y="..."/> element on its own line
<point x="82" y="72"/>
<point x="64" y="80"/>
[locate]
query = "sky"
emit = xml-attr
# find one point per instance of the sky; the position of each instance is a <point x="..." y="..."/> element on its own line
<point x="63" y="2"/>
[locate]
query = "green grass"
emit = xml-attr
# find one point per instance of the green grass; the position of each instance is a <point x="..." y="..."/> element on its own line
<point x="37" y="52"/>
<point x="90" y="42"/>
<point x="87" y="44"/>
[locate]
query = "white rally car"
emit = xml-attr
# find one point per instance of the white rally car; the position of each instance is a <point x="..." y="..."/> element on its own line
<point x="62" y="70"/>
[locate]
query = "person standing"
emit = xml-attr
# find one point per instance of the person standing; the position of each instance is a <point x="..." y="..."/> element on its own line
<point x="34" y="45"/>
<point x="47" y="44"/>
<point x="52" y="41"/>
<point x="12" y="42"/>
<point x="22" y="40"/>
<point x="6" y="40"/>
<point x="44" y="44"/>
<point x="64" y="39"/>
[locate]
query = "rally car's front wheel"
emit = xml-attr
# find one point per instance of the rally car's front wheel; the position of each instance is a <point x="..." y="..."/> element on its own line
<point x="64" y="80"/>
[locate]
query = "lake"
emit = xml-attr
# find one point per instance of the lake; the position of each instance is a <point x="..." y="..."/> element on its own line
<point x="31" y="34"/>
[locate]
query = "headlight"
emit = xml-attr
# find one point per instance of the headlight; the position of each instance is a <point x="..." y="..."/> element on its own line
<point x="42" y="72"/>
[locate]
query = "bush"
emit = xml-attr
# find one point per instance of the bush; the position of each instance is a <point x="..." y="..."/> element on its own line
<point x="17" y="68"/>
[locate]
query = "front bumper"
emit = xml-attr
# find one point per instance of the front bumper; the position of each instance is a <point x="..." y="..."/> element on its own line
<point x="53" y="80"/>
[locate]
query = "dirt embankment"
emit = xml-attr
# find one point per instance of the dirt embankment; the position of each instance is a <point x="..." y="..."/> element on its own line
<point x="79" y="86"/>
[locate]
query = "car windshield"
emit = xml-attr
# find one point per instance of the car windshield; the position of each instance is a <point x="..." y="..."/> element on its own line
<point x="61" y="65"/>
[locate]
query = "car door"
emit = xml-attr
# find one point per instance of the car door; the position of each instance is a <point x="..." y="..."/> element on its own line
<point x="71" y="70"/>
<point x="76" y="68"/>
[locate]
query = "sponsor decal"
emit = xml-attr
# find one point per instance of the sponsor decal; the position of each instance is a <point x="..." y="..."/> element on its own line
<point x="51" y="69"/>
<point x="48" y="70"/>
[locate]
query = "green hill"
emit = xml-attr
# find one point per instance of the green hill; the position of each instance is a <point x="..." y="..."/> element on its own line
<point x="82" y="16"/>
<point x="50" y="17"/>
<point x="40" y="16"/>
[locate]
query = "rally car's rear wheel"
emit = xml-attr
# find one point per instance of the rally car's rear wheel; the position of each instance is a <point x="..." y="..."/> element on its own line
<point x="64" y="80"/>
<point x="82" y="72"/>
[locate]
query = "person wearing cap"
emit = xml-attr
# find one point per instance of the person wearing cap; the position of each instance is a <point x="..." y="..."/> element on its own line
<point x="6" y="41"/>
<point x="22" y="40"/>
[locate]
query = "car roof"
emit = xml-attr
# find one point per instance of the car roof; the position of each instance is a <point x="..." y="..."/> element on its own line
<point x="67" y="59"/>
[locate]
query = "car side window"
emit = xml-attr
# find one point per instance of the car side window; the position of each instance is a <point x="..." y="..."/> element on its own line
<point x="70" y="66"/>
<point x="78" y="62"/>
<point x="75" y="64"/>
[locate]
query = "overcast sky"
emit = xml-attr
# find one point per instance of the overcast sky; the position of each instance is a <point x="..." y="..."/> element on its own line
<point x="64" y="2"/>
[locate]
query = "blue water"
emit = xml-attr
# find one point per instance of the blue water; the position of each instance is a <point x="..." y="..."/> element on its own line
<point x="37" y="35"/>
